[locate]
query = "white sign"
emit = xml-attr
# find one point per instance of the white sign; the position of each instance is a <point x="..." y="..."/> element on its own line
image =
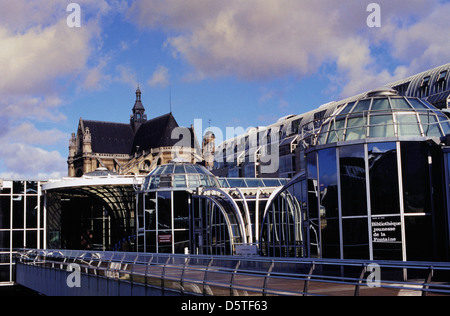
<point x="246" y="250"/>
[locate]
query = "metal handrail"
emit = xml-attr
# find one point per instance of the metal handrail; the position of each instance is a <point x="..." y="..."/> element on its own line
<point x="230" y="275"/>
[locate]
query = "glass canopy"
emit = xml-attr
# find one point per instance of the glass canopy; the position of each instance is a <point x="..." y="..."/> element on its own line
<point x="384" y="116"/>
<point x="179" y="175"/>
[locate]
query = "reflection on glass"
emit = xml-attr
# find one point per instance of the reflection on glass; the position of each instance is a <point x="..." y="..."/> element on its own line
<point x="328" y="203"/>
<point x="355" y="238"/>
<point x="416" y="177"/>
<point x="312" y="185"/>
<point x="384" y="194"/>
<point x="353" y="180"/>
<point x="328" y="182"/>
<point x="164" y="210"/>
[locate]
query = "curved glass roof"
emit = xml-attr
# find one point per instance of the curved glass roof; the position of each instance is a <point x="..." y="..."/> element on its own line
<point x="179" y="175"/>
<point x="383" y="115"/>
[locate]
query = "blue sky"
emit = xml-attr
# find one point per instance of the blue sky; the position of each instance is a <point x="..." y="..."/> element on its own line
<point x="236" y="63"/>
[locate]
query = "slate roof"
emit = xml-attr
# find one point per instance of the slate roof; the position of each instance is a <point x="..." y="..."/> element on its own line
<point x="119" y="138"/>
<point x="110" y="138"/>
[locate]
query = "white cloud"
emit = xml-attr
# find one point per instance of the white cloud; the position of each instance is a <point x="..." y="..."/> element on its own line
<point x="126" y="75"/>
<point x="160" y="77"/>
<point x="256" y="40"/>
<point x="39" y="56"/>
<point x="25" y="161"/>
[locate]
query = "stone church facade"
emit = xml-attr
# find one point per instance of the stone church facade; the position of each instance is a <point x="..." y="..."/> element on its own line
<point x="134" y="148"/>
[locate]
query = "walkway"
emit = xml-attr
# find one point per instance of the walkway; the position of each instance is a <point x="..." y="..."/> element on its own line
<point x="56" y="272"/>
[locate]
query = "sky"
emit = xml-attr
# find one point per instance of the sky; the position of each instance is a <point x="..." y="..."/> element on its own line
<point x="231" y="63"/>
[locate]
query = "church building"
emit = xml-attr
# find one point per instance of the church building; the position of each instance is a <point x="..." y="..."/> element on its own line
<point x="134" y="148"/>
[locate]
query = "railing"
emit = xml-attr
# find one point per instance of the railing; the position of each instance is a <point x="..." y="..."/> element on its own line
<point x="255" y="276"/>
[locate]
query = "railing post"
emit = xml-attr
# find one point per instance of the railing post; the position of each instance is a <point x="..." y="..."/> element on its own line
<point x="206" y="275"/>
<point x="267" y="275"/>
<point x="186" y="261"/>
<point x="427" y="282"/>
<point x="361" y="277"/>
<point x="306" y="285"/>
<point x="164" y="273"/>
<point x="232" y="277"/>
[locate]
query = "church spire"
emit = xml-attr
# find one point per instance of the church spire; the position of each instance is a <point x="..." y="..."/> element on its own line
<point x="138" y="117"/>
<point x="138" y="94"/>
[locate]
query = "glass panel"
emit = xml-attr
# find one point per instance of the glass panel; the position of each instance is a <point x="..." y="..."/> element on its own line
<point x="5" y="212"/>
<point x="190" y="169"/>
<point x="254" y="183"/>
<point x="330" y="238"/>
<point x="419" y="238"/>
<point x="31" y="241"/>
<point x="416" y="178"/>
<point x="381" y="126"/>
<point x="168" y="169"/>
<point x="194" y="181"/>
<point x="362" y="106"/>
<point x="32" y="211"/>
<point x="347" y="108"/>
<point x="5" y="237"/>
<point x="150" y="239"/>
<point x="407" y="125"/>
<point x="181" y="209"/>
<point x="418" y="105"/>
<point x="181" y="241"/>
<point x="430" y="125"/>
<point x="312" y="185"/>
<point x="164" y="210"/>
<point x="445" y="124"/>
<point x="380" y="104"/>
<point x="179" y="169"/>
<point x="359" y="132"/>
<point x="179" y="181"/>
<point x="328" y="203"/>
<point x="340" y="127"/>
<point x="353" y="180"/>
<point x="323" y="133"/>
<point x="355" y="238"/>
<point x="399" y="104"/>
<point x="150" y="211"/>
<point x="18" y="187"/>
<point x="384" y="194"/>
<point x="18" y="211"/>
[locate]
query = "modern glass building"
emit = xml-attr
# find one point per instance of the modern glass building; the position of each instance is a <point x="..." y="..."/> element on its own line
<point x="183" y="208"/>
<point x="22" y="222"/>
<point x="277" y="150"/>
<point x="374" y="185"/>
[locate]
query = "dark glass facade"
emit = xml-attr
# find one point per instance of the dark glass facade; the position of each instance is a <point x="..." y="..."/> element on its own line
<point x="378" y="201"/>
<point x="22" y="216"/>
<point x="373" y="187"/>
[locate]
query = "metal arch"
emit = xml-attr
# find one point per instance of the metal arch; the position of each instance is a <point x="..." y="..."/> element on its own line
<point x="272" y="197"/>
<point x="236" y="210"/>
<point x="247" y="215"/>
<point x="227" y="219"/>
